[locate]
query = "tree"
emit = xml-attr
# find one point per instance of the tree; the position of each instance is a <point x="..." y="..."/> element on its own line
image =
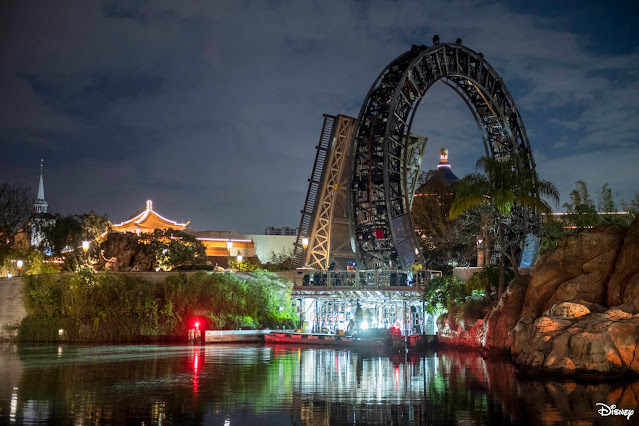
<point x="173" y="249"/>
<point x="605" y="200"/>
<point x="34" y="261"/>
<point x="247" y="264"/>
<point x="581" y="209"/>
<point x="443" y="294"/>
<point x="606" y="204"/>
<point x="444" y="242"/>
<point x="632" y="206"/>
<point x="502" y="185"/>
<point x="279" y="261"/>
<point x="486" y="281"/>
<point x="16" y="207"/>
<point x="64" y="238"/>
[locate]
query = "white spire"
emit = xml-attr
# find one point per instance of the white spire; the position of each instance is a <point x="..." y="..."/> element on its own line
<point x="40" y="205"/>
<point x="41" y="186"/>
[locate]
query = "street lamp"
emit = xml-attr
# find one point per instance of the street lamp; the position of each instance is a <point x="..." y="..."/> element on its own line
<point x="19" y="264"/>
<point x="85" y="247"/>
<point x="305" y="246"/>
<point x="229" y="246"/>
<point x="239" y="261"/>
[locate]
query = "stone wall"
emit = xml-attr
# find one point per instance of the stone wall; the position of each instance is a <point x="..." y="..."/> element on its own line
<point x="11" y="307"/>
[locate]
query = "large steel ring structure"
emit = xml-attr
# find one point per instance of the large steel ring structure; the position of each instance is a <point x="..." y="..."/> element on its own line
<point x="384" y="156"/>
<point x="362" y="184"/>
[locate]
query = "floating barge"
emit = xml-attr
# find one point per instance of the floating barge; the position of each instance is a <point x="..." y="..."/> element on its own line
<point x="323" y="339"/>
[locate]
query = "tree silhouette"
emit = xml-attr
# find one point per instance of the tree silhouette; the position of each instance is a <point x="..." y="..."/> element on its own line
<point x="501" y="185"/>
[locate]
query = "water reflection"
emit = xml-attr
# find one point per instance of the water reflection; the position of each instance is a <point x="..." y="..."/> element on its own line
<point x="285" y="385"/>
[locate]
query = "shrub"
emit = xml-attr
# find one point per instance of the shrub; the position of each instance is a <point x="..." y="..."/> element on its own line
<point x="486" y="281"/>
<point x="471" y="311"/>
<point x="443" y="293"/>
<point x="117" y="307"/>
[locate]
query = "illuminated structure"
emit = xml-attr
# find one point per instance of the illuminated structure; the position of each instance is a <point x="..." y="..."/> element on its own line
<point x="223" y="244"/>
<point x="363" y="179"/>
<point x="147" y="221"/>
<point x="40" y="218"/>
<point x="443" y="168"/>
<point x="219" y="245"/>
<point x="381" y="153"/>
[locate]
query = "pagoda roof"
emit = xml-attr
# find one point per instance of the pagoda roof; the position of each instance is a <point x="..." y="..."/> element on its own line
<point x="147" y="221"/>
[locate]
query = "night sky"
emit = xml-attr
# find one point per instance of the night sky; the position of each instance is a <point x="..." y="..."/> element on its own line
<point x="213" y="109"/>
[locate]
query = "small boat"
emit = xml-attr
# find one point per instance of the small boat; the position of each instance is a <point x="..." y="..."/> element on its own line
<point x="322" y="339"/>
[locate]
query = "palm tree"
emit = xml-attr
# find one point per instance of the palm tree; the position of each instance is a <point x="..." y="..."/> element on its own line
<point x="503" y="184"/>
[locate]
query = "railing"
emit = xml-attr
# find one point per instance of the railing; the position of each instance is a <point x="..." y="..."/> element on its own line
<point x="363" y="279"/>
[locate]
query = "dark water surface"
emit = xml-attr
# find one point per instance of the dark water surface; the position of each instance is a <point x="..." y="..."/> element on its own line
<point x="281" y="385"/>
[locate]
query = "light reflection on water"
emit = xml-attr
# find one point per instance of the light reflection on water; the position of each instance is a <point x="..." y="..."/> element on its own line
<point x="240" y="384"/>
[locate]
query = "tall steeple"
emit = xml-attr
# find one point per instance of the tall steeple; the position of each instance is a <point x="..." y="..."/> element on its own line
<point x="40" y="205"/>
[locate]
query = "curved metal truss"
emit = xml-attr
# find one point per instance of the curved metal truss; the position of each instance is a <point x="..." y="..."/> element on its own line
<point x="382" y="161"/>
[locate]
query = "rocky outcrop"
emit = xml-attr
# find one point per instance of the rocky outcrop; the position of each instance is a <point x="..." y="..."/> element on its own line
<point x="451" y="333"/>
<point x="578" y="310"/>
<point x="505" y="315"/>
<point x="569" y="339"/>
<point x="623" y="288"/>
<point x="121" y="252"/>
<point x="579" y="268"/>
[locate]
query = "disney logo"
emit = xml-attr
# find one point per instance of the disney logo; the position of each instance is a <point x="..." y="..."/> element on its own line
<point x="612" y="410"/>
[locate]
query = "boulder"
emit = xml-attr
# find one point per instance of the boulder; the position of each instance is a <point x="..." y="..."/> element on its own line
<point x="623" y="287"/>
<point x="592" y="307"/>
<point x="580" y="268"/>
<point x="468" y="337"/>
<point x="505" y="315"/>
<point x="575" y="342"/>
<point x="567" y="310"/>
<point x="121" y="252"/>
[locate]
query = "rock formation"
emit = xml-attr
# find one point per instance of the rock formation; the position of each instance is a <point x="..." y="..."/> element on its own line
<point x="121" y="252"/>
<point x="581" y="309"/>
<point x="623" y="287"/>
<point x="569" y="339"/>
<point x="577" y="311"/>
<point x="505" y="315"/>
<point x="452" y="333"/>
<point x="579" y="268"/>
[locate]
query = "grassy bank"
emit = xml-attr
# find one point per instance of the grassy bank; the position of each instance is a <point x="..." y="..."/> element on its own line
<point x="116" y="307"/>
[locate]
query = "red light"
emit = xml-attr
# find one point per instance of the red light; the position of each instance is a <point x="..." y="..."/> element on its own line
<point x="396" y="327"/>
<point x="196" y="367"/>
<point x="197" y="325"/>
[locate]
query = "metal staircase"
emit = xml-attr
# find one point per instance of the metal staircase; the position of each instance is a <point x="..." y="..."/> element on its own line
<point x="314" y="183"/>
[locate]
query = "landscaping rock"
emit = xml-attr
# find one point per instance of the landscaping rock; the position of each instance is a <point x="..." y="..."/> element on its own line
<point x="599" y="344"/>
<point x="623" y="287"/>
<point x="467" y="337"/>
<point x="580" y="268"/>
<point x="567" y="310"/>
<point x="505" y="315"/>
<point x="121" y="252"/>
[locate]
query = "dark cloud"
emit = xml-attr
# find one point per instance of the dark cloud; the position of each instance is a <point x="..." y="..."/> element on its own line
<point x="82" y="94"/>
<point x="213" y="109"/>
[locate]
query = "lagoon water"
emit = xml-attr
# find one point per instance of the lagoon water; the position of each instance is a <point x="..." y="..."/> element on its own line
<point x="282" y="385"/>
